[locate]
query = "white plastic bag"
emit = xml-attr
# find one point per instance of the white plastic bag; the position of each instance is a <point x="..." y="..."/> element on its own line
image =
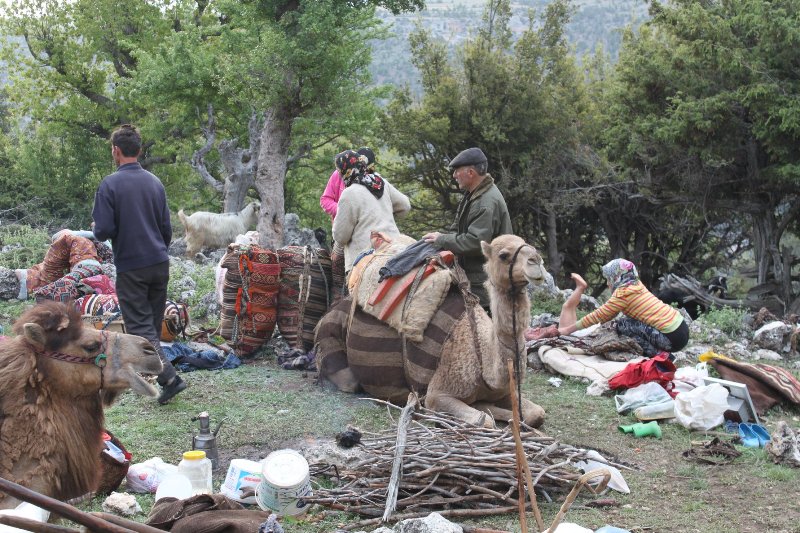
<point x="146" y="476"/>
<point x="639" y="396"/>
<point x="687" y="378"/>
<point x="703" y="407"/>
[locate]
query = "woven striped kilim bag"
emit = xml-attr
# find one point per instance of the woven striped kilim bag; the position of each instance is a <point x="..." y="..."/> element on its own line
<point x="305" y="293"/>
<point x="250" y="297"/>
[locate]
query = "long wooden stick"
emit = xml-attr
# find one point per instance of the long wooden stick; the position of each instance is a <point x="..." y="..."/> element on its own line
<point x="33" y="525"/>
<point x="400" y="448"/>
<point x="521" y="457"/>
<point x="60" y="508"/>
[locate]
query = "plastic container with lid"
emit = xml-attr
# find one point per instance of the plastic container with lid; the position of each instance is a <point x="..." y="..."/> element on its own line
<point x="197" y="467"/>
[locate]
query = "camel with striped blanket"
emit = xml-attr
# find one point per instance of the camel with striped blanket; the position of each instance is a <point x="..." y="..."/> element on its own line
<point x="461" y="363"/>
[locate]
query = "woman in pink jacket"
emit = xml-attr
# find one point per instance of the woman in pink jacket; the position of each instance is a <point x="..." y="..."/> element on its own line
<point x="329" y="201"/>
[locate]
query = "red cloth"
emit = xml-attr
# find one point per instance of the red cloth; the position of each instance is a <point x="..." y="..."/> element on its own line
<point x="658" y="368"/>
<point x="101" y="284"/>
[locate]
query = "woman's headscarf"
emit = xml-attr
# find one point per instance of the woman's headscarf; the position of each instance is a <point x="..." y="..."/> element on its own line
<point x="370" y="155"/>
<point x="620" y="273"/>
<point x="353" y="169"/>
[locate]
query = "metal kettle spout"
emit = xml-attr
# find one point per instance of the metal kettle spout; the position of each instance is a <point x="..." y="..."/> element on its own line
<point x="218" y="427"/>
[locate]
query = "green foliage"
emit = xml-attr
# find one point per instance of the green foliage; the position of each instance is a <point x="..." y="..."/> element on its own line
<point x="24" y="246"/>
<point x="698" y="116"/>
<point x="546" y="305"/>
<point x="727" y="319"/>
<point x="521" y="102"/>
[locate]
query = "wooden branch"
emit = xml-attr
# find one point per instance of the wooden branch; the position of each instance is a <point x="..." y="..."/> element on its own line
<point x="521" y="457"/>
<point x="787" y="219"/>
<point x="400" y="447"/>
<point x="34" y="525"/>
<point x="60" y="508"/>
<point x="198" y="162"/>
<point x="698" y="293"/>
<point x="582" y="481"/>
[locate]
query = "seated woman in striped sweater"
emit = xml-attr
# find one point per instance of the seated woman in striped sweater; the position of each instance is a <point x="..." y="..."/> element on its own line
<point x="654" y="325"/>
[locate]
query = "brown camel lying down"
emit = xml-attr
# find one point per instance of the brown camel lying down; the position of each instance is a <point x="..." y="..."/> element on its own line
<point x="461" y="361"/>
<point x="56" y="377"/>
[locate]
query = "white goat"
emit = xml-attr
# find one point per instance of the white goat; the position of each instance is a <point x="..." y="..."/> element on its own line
<point x="216" y="230"/>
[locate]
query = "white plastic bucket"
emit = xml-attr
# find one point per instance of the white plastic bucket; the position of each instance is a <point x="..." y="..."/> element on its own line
<point x="284" y="483"/>
<point x="242" y="473"/>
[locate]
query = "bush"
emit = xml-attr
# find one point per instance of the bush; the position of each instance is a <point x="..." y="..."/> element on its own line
<point x="727" y="319"/>
<point x="546" y="305"/>
<point x="22" y="246"/>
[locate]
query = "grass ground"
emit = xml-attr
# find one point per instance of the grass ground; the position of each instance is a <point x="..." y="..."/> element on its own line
<point x="265" y="408"/>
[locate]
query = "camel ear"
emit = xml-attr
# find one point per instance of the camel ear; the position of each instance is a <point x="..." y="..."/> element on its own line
<point x="63" y="324"/>
<point x="487" y="249"/>
<point x="34" y="334"/>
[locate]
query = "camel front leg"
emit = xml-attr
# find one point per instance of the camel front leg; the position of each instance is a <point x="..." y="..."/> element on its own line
<point x="453" y="406"/>
<point x="532" y="414"/>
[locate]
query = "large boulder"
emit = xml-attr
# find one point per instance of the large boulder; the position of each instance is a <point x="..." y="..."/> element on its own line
<point x="773" y="336"/>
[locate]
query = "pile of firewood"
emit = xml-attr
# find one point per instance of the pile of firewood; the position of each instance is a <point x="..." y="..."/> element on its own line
<point x="450" y="467"/>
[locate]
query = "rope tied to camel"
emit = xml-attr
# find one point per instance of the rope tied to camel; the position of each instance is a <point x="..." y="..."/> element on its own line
<point x="513" y="292"/>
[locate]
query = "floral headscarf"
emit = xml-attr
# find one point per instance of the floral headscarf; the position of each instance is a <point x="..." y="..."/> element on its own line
<point x="620" y="273"/>
<point x="353" y="168"/>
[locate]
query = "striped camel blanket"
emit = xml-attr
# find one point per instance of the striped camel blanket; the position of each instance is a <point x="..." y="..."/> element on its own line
<point x="373" y="350"/>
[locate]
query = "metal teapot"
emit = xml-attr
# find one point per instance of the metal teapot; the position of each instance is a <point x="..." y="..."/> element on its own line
<point x="206" y="440"/>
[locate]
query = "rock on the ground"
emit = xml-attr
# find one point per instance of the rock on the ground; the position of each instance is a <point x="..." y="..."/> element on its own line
<point x="433" y="523"/>
<point x="736" y="350"/>
<point x="177" y="247"/>
<point x="294" y="235"/>
<point x="769" y="355"/>
<point x="546" y="289"/>
<point x="121" y="503"/>
<point x="784" y="448"/>
<point x="207" y="306"/>
<point x="772" y="336"/>
<point x="9" y="284"/>
<point x="543" y="320"/>
<point x="328" y="452"/>
<point x="695" y="350"/>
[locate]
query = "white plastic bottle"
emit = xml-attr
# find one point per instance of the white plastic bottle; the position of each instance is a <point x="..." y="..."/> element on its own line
<point x="197" y="467"/>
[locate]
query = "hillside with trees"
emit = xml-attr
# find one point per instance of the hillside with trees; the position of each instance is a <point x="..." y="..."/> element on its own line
<point x="594" y="26"/>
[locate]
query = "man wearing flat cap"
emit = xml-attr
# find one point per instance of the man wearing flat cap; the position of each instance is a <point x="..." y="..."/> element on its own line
<point x="482" y="215"/>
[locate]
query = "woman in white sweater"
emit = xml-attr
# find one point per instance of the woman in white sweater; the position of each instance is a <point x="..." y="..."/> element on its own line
<point x="368" y="203"/>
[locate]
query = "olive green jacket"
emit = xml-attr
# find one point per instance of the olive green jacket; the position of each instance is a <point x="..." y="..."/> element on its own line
<point x="482" y="215"/>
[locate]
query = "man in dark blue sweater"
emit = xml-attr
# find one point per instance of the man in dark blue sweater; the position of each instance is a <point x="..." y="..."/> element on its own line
<point x="130" y="208"/>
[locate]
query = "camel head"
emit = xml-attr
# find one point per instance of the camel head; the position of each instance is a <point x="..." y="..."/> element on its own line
<point x="528" y="265"/>
<point x="79" y="361"/>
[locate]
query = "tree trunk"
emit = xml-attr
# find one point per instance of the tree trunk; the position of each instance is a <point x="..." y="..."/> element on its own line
<point x="240" y="166"/>
<point x="271" y="173"/>
<point x="554" y="257"/>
